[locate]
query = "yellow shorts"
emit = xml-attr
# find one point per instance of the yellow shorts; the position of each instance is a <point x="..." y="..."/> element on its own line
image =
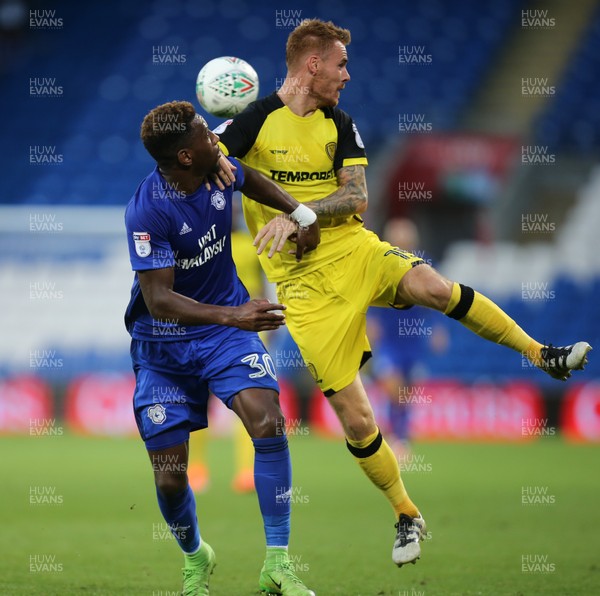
<point x="327" y="308"/>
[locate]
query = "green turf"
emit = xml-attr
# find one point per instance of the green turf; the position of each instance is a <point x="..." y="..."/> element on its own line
<point x="101" y="539"/>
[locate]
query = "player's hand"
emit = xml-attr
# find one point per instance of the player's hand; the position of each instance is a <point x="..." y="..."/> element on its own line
<point x="279" y="230"/>
<point x="306" y="239"/>
<point x="257" y="315"/>
<point x="224" y="177"/>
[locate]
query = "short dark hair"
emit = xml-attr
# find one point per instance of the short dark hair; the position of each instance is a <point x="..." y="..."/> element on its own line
<point x="313" y="35"/>
<point x="166" y="129"/>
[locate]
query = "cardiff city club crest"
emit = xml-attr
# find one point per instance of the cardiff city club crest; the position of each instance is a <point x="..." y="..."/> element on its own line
<point x="217" y="200"/>
<point x="157" y="413"/>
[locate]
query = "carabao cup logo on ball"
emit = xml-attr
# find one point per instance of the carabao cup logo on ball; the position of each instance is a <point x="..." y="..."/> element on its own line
<point x="226" y="85"/>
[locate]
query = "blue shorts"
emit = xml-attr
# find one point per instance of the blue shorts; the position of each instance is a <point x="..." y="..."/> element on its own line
<point x="174" y="380"/>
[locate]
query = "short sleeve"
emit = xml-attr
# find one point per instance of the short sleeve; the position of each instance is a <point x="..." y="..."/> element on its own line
<point x="239" y="174"/>
<point x="148" y="240"/>
<point x="351" y="149"/>
<point x="238" y="135"/>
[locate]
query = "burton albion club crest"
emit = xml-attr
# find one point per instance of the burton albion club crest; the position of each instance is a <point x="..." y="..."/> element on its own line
<point x="217" y="200"/>
<point x="330" y="150"/>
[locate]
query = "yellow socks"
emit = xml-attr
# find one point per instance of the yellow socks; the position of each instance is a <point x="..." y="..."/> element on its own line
<point x="379" y="463"/>
<point x="488" y="320"/>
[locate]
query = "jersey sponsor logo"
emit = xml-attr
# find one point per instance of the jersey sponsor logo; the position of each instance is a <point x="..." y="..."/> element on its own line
<point x="357" y="138"/>
<point x="290" y="154"/>
<point x="142" y="244"/>
<point x="209" y="252"/>
<point x="330" y="150"/>
<point x="157" y="413"/>
<point x="290" y="176"/>
<point x="209" y="246"/>
<point x="217" y="200"/>
<point x="185" y="229"/>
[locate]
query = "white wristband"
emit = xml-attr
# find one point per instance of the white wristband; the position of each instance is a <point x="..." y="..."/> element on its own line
<point x="303" y="216"/>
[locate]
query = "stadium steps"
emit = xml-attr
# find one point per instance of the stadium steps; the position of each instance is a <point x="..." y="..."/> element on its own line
<point x="551" y="288"/>
<point x="547" y="192"/>
<point x="501" y="106"/>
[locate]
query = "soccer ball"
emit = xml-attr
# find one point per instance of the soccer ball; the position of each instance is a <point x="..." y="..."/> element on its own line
<point x="226" y="85"/>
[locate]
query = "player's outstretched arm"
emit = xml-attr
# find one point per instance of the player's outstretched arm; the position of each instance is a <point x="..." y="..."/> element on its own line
<point x="163" y="303"/>
<point x="350" y="198"/>
<point x="305" y="232"/>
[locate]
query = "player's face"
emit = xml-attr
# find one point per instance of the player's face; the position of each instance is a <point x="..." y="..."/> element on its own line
<point x="204" y="148"/>
<point x="332" y="75"/>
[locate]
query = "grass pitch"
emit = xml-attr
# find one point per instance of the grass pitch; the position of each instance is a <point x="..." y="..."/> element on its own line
<point x="79" y="516"/>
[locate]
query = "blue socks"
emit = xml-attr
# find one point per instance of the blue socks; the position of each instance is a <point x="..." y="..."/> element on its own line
<point x="179" y="512"/>
<point x="273" y="482"/>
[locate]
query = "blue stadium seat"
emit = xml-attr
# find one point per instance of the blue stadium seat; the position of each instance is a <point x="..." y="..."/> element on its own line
<point x="571" y="120"/>
<point x="107" y="94"/>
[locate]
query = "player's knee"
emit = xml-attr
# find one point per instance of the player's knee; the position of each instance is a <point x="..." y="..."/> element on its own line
<point x="424" y="286"/>
<point x="270" y="423"/>
<point x="170" y="484"/>
<point x="359" y="425"/>
<point x="260" y="412"/>
<point x="440" y="292"/>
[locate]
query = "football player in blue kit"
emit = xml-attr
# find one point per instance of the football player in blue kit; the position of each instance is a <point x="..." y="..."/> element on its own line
<point x="194" y="331"/>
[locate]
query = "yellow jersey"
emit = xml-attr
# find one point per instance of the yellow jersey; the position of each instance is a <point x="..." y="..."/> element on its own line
<point x="246" y="263"/>
<point x="302" y="155"/>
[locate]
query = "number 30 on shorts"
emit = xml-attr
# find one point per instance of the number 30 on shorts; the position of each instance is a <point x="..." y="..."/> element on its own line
<point x="262" y="368"/>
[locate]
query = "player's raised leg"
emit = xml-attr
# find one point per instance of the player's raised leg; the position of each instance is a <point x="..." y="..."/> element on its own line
<point x="377" y="460"/>
<point x="259" y="410"/>
<point x="423" y="285"/>
<point x="178" y="507"/>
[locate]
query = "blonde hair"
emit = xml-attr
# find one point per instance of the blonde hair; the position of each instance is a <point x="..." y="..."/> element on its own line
<point x="313" y="35"/>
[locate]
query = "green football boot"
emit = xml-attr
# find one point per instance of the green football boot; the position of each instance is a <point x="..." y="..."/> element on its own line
<point x="277" y="576"/>
<point x="197" y="570"/>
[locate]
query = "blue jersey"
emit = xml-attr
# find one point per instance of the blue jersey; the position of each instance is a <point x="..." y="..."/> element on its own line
<point x="192" y="233"/>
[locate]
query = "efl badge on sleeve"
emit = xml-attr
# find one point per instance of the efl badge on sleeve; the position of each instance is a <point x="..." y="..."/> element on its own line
<point x="357" y="138"/>
<point x="142" y="244"/>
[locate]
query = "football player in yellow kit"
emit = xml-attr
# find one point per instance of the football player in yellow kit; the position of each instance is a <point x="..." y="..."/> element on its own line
<point x="299" y="138"/>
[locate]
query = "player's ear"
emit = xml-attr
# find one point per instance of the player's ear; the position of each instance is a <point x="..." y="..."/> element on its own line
<point x="312" y="64"/>
<point x="184" y="157"/>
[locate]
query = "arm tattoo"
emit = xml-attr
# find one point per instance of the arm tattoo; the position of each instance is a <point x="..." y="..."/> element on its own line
<point x="347" y="199"/>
